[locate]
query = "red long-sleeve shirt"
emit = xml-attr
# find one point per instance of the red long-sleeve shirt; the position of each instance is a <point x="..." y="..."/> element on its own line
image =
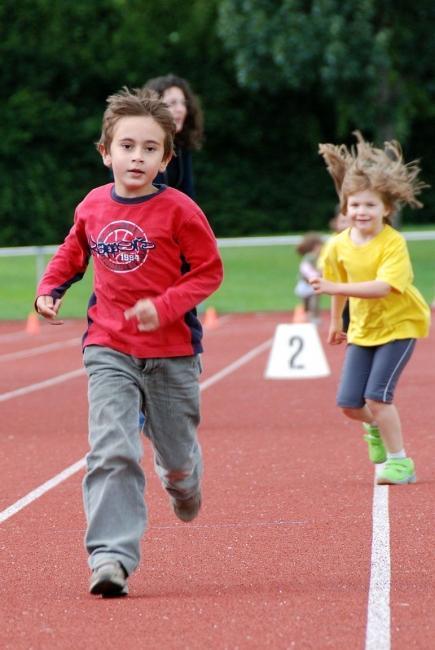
<point x="159" y="247"/>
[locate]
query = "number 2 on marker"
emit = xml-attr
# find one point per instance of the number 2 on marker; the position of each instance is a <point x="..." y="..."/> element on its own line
<point x="296" y="342"/>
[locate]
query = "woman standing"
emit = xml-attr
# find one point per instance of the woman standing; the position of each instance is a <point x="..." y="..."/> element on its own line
<point x="186" y="111"/>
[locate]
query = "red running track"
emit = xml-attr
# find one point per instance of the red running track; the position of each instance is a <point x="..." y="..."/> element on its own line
<point x="280" y="556"/>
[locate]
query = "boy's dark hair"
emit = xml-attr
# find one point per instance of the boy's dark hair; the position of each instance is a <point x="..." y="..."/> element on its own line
<point x="192" y="133"/>
<point x="137" y="102"/>
<point x="309" y="243"/>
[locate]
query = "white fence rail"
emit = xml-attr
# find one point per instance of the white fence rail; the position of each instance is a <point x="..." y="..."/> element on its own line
<point x="225" y="242"/>
<point x="40" y="252"/>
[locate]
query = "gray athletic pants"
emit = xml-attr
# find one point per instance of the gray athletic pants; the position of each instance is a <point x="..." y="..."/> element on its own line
<point x="372" y="372"/>
<point x="120" y="386"/>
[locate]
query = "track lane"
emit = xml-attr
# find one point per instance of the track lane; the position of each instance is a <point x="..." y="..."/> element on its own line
<point x="251" y="551"/>
<point x="412" y="510"/>
<point x="14" y="335"/>
<point x="275" y="560"/>
<point x="45" y="431"/>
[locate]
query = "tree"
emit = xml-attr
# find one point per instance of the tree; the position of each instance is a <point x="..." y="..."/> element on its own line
<point x="355" y="54"/>
<point x="258" y="171"/>
<point x="60" y="60"/>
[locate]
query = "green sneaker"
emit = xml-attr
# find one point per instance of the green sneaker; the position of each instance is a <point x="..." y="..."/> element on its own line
<point x="397" y="471"/>
<point x="377" y="453"/>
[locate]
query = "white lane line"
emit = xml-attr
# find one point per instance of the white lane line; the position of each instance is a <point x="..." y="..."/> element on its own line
<point x="31" y="352"/>
<point x="69" y="471"/>
<point x="76" y="373"/>
<point x="235" y="365"/>
<point x="47" y="383"/>
<point x="13" y="336"/>
<point x="378" y="634"/>
<point x="42" y="489"/>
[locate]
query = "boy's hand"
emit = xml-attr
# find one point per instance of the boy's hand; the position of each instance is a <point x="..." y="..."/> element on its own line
<point x="47" y="307"/>
<point x="145" y="313"/>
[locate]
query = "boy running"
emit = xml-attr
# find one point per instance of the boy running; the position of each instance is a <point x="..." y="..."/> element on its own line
<point x="155" y="258"/>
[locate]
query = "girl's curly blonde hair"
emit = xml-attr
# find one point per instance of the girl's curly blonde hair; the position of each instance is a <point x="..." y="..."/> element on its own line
<point x="365" y="167"/>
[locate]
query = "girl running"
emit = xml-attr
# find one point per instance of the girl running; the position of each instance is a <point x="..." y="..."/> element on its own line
<point x="369" y="264"/>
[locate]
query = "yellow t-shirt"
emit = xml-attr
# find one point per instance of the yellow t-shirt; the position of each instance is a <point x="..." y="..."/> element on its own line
<point x="324" y="251"/>
<point x="322" y="254"/>
<point x="403" y="313"/>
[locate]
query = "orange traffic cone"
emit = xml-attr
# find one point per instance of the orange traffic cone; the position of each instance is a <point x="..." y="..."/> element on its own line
<point x="299" y="315"/>
<point x="32" y="324"/>
<point x="210" y="318"/>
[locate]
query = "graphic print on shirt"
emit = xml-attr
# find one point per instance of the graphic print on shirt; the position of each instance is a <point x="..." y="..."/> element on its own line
<point x="122" y="246"/>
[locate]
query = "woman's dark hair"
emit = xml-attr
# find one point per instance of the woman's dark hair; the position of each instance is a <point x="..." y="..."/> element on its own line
<point x="192" y="133"/>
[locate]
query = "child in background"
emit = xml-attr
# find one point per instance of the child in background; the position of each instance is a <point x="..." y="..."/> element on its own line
<point x="309" y="249"/>
<point x="337" y="224"/>
<point x="186" y="111"/>
<point x="369" y="264"/>
<point x="155" y="258"/>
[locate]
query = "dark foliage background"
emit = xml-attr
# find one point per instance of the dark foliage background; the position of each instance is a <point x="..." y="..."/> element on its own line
<point x="270" y="94"/>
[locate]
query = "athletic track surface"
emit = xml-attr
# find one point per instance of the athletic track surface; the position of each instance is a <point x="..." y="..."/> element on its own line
<point x="294" y="547"/>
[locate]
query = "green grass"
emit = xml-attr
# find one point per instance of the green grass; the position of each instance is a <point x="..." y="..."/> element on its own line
<point x="263" y="278"/>
<point x="256" y="279"/>
<point x="17" y="292"/>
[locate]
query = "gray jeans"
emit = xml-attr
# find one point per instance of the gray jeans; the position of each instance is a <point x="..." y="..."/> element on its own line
<point x="119" y="387"/>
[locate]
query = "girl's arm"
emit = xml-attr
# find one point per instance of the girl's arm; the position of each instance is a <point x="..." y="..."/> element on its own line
<point x="336" y="334"/>
<point x="370" y="289"/>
